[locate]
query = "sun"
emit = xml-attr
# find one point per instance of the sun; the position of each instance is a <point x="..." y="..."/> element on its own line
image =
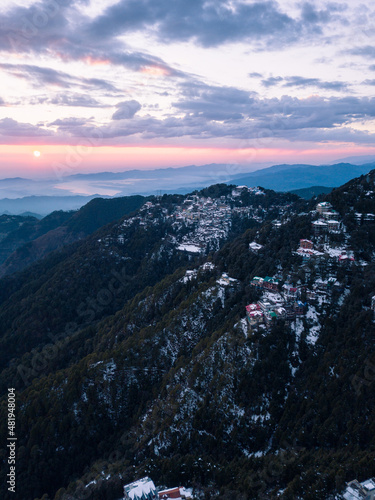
<point x="36" y="154"/>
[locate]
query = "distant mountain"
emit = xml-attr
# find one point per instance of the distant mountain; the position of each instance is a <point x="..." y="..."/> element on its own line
<point x="31" y="214"/>
<point x="357" y="160"/>
<point x="291" y="177"/>
<point x="71" y="192"/>
<point x="308" y="193"/>
<point x="43" y="205"/>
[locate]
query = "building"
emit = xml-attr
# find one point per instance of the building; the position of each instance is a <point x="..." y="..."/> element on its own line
<point x="373" y="304"/>
<point x="346" y="257"/>
<point x="325" y="206"/>
<point x="265" y="306"/>
<point x="319" y="227"/>
<point x="290" y="314"/>
<point x="290" y="292"/>
<point x="266" y="283"/>
<point x="306" y="244"/>
<point x="333" y="225"/>
<point x="360" y="491"/>
<point x="331" y="214"/>
<point x="254" y="315"/>
<point x="255" y="247"/>
<point x="143" y="489"/>
<point x="280" y="312"/>
<point x="257" y="282"/>
<point x="178" y="493"/>
<point x="270" y="284"/>
<point x="299" y="308"/>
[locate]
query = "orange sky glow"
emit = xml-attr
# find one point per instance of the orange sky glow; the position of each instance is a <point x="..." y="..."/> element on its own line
<point x="20" y="160"/>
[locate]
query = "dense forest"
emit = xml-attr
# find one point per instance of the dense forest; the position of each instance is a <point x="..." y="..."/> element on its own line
<point x="131" y="357"/>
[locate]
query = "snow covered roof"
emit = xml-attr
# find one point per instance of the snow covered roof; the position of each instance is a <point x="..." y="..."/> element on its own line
<point x="252" y="307"/>
<point x="369" y="484"/>
<point x="319" y="223"/>
<point x="255" y="246"/>
<point x="189" y="248"/>
<point x="139" y="490"/>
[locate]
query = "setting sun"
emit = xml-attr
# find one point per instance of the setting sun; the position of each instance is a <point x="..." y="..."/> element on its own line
<point x="36" y="154"/>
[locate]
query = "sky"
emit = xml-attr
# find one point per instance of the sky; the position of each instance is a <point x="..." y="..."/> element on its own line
<point x="112" y="85"/>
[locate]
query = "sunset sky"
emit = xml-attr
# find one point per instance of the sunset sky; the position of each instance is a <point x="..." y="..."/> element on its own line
<point x="114" y="85"/>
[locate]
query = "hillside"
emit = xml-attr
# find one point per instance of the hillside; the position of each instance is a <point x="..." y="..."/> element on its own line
<point x="35" y="240"/>
<point x="311" y="192"/>
<point x="19" y="230"/>
<point x="136" y="351"/>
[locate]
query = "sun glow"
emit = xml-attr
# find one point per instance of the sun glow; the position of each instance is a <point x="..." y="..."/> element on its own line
<point x="36" y="154"/>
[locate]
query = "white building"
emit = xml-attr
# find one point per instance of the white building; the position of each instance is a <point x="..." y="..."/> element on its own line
<point x="255" y="247"/>
<point x="143" y="489"/>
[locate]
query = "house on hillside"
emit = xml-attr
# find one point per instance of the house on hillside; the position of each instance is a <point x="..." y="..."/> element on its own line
<point x="299" y="308"/>
<point x="289" y="291"/>
<point x="319" y="227"/>
<point x="333" y="225"/>
<point x="143" y="489"/>
<point x="254" y="315"/>
<point x="362" y="491"/>
<point x="270" y="284"/>
<point x="257" y="282"/>
<point x="323" y="207"/>
<point x="306" y="244"/>
<point x="178" y="493"/>
<point x="331" y="214"/>
<point x="255" y="247"/>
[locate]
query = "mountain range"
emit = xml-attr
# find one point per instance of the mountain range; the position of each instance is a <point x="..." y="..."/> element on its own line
<point x="72" y="192"/>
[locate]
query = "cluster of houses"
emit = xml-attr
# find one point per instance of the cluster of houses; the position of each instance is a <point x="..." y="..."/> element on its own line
<point x="238" y="190"/>
<point x="306" y="250"/>
<point x="145" y="489"/>
<point x="211" y="220"/>
<point x="328" y="222"/>
<point x="288" y="302"/>
<point x="274" y="305"/>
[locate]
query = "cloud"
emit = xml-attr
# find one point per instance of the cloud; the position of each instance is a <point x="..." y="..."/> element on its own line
<point x="2" y="102"/>
<point x="367" y="51"/>
<point x="300" y="81"/>
<point x="75" y="100"/>
<point x="214" y="102"/>
<point x="57" y="28"/>
<point x="12" y="128"/>
<point x="48" y="76"/>
<point x="243" y="116"/>
<point x="126" y="110"/>
<point x="271" y="81"/>
<point x="332" y="11"/>
<point x="211" y="24"/>
<point x="68" y="123"/>
<point x="255" y="75"/>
